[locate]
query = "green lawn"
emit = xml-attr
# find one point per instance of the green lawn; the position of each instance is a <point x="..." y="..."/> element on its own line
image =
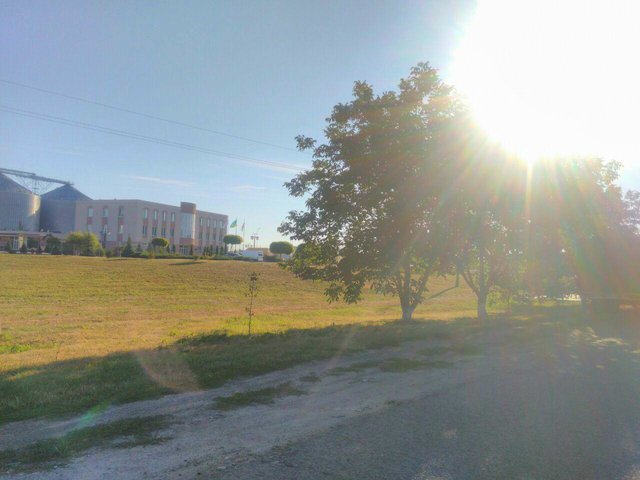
<point x="78" y="334"/>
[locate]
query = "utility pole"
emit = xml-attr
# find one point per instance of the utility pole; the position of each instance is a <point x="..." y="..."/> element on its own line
<point x="254" y="237"/>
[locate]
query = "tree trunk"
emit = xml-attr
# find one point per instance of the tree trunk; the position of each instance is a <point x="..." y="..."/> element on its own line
<point x="407" y="313"/>
<point x="482" y="307"/>
<point x="482" y="279"/>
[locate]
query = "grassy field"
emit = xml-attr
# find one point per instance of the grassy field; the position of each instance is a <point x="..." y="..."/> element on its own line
<point x="78" y="334"/>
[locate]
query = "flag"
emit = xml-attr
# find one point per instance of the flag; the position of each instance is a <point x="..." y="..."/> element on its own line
<point x="234" y="223"/>
<point x="242" y="227"/>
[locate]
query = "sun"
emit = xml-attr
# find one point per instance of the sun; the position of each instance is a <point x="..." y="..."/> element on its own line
<point x="554" y="77"/>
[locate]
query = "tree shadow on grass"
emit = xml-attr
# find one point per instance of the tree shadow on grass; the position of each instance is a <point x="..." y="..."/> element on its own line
<point x="209" y="360"/>
<point x="188" y="262"/>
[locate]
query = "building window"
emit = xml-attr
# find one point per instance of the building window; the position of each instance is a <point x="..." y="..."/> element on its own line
<point x="154" y="231"/>
<point x="207" y="236"/>
<point x="164" y="216"/>
<point x="144" y="230"/>
<point x="164" y="232"/>
<point x="173" y="233"/>
<point x="155" y="214"/>
<point x="200" y="235"/>
<point x="121" y="212"/>
<point x="187" y="225"/>
<point x="208" y="222"/>
<point x="90" y="212"/>
<point x="120" y="229"/>
<point x="173" y="216"/>
<point x="105" y="212"/>
<point x="145" y="214"/>
<point x="89" y="227"/>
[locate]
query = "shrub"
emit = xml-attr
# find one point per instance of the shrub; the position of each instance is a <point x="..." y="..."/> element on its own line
<point x="53" y="245"/>
<point x="159" y="243"/>
<point x="281" y="248"/>
<point x="127" y="251"/>
<point x="81" y="243"/>
<point x="23" y="248"/>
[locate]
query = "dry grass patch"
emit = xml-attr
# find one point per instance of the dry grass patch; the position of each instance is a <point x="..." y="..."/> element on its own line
<point x="81" y="333"/>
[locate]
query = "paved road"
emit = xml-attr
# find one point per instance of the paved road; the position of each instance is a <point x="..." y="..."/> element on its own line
<point x="569" y="411"/>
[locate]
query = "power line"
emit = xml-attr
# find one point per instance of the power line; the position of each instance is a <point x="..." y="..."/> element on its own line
<point x="147" y="115"/>
<point x="145" y="138"/>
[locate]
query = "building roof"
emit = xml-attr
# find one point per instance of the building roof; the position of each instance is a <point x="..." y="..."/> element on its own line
<point x="65" y="192"/>
<point x="8" y="185"/>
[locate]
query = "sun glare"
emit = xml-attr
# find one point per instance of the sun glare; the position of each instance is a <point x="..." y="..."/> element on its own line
<point x="554" y="77"/>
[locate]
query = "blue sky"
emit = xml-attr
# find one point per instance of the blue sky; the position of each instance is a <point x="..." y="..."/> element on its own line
<point x="266" y="70"/>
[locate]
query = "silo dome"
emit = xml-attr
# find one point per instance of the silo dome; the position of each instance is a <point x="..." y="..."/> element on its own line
<point x="19" y="207"/>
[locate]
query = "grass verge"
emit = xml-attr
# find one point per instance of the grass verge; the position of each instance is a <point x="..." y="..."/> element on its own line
<point x="263" y="396"/>
<point x="59" y="451"/>
<point x="200" y="362"/>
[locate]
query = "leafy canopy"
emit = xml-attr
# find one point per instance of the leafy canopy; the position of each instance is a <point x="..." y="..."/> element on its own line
<point x="160" y="242"/>
<point x="374" y="193"/>
<point x="285" y="248"/>
<point x="232" y="239"/>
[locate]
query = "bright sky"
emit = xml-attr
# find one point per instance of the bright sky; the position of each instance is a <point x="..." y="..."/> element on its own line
<point x="555" y="77"/>
<point x="264" y="70"/>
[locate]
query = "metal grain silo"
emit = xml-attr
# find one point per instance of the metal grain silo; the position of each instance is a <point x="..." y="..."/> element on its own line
<point x="19" y="208"/>
<point x="58" y="212"/>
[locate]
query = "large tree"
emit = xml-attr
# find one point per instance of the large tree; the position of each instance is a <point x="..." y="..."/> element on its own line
<point x="487" y="211"/>
<point x="232" y="240"/>
<point x="375" y="192"/>
<point x="579" y="214"/>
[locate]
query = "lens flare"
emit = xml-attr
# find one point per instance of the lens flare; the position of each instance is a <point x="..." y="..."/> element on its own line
<point x="552" y="77"/>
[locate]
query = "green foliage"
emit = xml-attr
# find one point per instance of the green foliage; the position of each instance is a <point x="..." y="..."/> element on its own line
<point x="281" y="248"/>
<point x="232" y="239"/>
<point x="582" y="228"/>
<point x="374" y="193"/>
<point x="81" y="243"/>
<point x="127" y="251"/>
<point x="160" y="243"/>
<point x="23" y="248"/>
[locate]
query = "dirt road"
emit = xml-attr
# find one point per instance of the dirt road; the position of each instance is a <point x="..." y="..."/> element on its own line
<point x="517" y="400"/>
